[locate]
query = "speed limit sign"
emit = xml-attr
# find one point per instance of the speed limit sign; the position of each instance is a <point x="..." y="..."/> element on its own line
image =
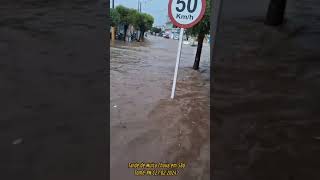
<point x="186" y="13"/>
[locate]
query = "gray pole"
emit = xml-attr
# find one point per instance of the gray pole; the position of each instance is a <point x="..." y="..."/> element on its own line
<point x="177" y="64"/>
<point x="140" y="6"/>
<point x="112" y="4"/>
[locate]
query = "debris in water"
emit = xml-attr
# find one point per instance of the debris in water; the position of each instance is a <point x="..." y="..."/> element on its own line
<point x="17" y="141"/>
<point x="122" y="125"/>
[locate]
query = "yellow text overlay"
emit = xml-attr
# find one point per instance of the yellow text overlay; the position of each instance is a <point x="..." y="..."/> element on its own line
<point x="156" y="169"/>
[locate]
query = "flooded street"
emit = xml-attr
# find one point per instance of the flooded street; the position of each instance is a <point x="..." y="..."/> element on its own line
<point x="146" y="125"/>
<point x="266" y="93"/>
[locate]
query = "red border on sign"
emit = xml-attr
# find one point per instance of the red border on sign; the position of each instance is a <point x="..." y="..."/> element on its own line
<point x="203" y="10"/>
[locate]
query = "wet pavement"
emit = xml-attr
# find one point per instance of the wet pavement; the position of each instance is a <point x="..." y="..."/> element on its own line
<point x="146" y="125"/>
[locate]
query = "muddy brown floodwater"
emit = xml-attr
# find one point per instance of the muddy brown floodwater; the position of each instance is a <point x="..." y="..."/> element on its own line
<point x="146" y="125"/>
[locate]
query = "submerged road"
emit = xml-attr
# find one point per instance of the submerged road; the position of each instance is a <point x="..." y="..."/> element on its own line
<point x="146" y="126"/>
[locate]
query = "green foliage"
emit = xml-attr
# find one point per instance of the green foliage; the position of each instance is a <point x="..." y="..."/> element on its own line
<point x="148" y="21"/>
<point x="141" y="21"/>
<point x="203" y="27"/>
<point x="124" y="13"/>
<point x="155" y="30"/>
<point x="134" y="15"/>
<point x="115" y="17"/>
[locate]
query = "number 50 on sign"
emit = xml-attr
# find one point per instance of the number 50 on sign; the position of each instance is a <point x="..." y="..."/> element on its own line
<point x="186" y="13"/>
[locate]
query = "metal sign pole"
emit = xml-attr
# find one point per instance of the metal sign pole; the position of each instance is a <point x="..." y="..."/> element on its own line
<point x="178" y="16"/>
<point x="177" y="64"/>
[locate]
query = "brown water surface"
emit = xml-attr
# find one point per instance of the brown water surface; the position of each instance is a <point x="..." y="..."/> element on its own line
<point x="146" y="125"/>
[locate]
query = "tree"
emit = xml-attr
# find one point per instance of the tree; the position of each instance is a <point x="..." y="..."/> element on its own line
<point x="142" y="22"/>
<point x="115" y="20"/>
<point x="155" y="30"/>
<point x="126" y="17"/>
<point x="200" y="30"/>
<point x="114" y="17"/>
<point x="148" y="22"/>
<point x="275" y="14"/>
<point x="124" y="13"/>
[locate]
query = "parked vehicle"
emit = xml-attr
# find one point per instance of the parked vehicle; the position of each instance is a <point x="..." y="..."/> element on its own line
<point x="119" y="36"/>
<point x="167" y="36"/>
<point x="134" y="37"/>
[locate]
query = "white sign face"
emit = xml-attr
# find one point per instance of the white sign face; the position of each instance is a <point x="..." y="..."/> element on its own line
<point x="186" y="13"/>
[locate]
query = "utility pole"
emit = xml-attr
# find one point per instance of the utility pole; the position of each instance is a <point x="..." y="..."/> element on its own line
<point x="112" y="4"/>
<point x="139" y="5"/>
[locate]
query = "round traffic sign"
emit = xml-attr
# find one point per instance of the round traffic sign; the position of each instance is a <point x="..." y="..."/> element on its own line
<point x="186" y="13"/>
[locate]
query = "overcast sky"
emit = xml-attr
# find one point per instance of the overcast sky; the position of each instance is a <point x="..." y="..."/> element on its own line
<point x="157" y="8"/>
